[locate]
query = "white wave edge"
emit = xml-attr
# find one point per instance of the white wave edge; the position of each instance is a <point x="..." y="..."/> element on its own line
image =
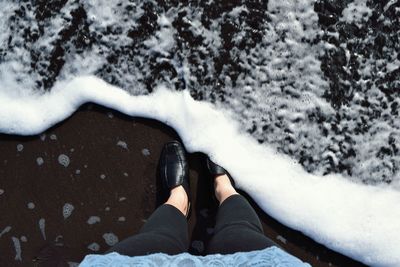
<point x="357" y="220"/>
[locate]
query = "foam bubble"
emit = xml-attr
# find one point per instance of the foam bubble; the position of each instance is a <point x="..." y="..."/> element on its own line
<point x="103" y="176"/>
<point x="94" y="246"/>
<point x="1" y="191"/>
<point x="39" y="161"/>
<point x="63" y="160"/>
<point x="110" y="239"/>
<point x="42" y="227"/>
<point x="122" y="144"/>
<point x="53" y="137"/>
<point x="5" y="230"/>
<point x="23" y="239"/>
<point x="121" y="219"/>
<point x="67" y="210"/>
<point x="93" y="220"/>
<point x="31" y="205"/>
<point x="17" y="247"/>
<point x="146" y="152"/>
<point x="20" y="147"/>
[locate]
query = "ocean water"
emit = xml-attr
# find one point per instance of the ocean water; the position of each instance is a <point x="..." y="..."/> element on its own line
<point x="297" y="99"/>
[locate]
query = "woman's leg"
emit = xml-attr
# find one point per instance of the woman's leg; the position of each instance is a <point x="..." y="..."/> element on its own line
<point x="166" y="230"/>
<point x="238" y="228"/>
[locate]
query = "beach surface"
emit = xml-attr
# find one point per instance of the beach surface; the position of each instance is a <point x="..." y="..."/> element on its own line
<point x="91" y="181"/>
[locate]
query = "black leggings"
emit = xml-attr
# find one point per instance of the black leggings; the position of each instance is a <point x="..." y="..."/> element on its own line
<point x="238" y="229"/>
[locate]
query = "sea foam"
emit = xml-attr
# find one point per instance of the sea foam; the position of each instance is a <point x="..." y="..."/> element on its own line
<point x="357" y="220"/>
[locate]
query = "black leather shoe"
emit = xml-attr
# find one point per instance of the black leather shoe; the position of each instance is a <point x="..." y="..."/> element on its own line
<point x="174" y="169"/>
<point x="216" y="170"/>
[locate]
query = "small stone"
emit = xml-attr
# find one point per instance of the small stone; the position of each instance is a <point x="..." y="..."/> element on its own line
<point x="78" y="171"/>
<point x="1" y="191"/>
<point x="121" y="219"/>
<point x="23" y="239"/>
<point x="20" y="147"/>
<point x="107" y="209"/>
<point x="103" y="176"/>
<point x="126" y="174"/>
<point x="53" y="137"/>
<point x="122" y="199"/>
<point x="31" y="205"/>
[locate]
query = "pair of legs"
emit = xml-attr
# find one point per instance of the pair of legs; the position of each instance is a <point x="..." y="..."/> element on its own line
<point x="238" y="228"/>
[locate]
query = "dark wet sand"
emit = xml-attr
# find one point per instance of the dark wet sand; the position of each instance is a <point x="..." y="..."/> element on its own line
<point x="107" y="180"/>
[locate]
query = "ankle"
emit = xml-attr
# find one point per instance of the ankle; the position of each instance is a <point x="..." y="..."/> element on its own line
<point x="223" y="188"/>
<point x="179" y="199"/>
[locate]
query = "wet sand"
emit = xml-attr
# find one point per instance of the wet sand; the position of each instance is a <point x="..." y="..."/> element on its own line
<point x="104" y="164"/>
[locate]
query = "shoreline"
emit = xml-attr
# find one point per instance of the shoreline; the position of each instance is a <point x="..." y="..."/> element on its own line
<point x="110" y="145"/>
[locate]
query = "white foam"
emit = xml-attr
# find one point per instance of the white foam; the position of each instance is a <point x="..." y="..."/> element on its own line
<point x="42" y="227"/>
<point x="94" y="246"/>
<point x="20" y="147"/>
<point x="356" y="12"/>
<point x="146" y="152"/>
<point x="39" y="161"/>
<point x="110" y="238"/>
<point x="68" y="208"/>
<point x="5" y="230"/>
<point x="93" y="220"/>
<point x="63" y="160"/>
<point x="122" y="144"/>
<point x="17" y="247"/>
<point x="360" y="221"/>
